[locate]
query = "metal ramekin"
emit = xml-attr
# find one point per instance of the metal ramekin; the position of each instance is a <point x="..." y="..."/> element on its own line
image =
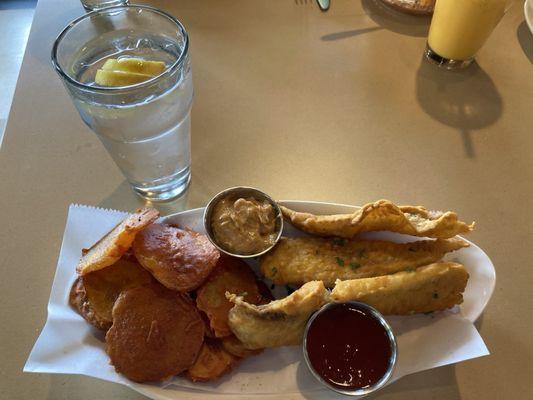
<point x="236" y="192"/>
<point x="357" y="393"/>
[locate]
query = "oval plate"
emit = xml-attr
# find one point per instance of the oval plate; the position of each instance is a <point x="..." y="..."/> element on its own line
<point x="528" y="12"/>
<point x="477" y="294"/>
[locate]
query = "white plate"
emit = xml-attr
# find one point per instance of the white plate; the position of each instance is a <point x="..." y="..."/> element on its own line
<point x="68" y="345"/>
<point x="528" y="12"/>
<point x="478" y="292"/>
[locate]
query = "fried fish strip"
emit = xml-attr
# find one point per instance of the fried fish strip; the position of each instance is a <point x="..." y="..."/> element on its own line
<point x="382" y="215"/>
<point x="278" y="323"/>
<point x="115" y="243"/>
<point x="299" y="260"/>
<point x="434" y="287"/>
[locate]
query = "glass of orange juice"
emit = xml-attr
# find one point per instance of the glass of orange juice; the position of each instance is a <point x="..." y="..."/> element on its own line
<point x="459" y="28"/>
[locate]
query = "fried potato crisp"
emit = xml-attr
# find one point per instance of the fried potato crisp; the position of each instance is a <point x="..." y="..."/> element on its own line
<point x="94" y="294"/>
<point x="212" y="362"/>
<point x="115" y="243"/>
<point x="156" y="333"/>
<point x="298" y="260"/>
<point x="230" y="275"/>
<point x="382" y="215"/>
<point x="434" y="287"/>
<point x="234" y="346"/>
<point x="179" y="259"/>
<point x="278" y="323"/>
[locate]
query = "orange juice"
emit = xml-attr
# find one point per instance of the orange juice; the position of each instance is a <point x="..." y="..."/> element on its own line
<point x="460" y="27"/>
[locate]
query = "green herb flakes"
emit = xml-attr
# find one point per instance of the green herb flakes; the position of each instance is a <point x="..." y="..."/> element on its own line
<point x="340" y="261"/>
<point x="354" y="266"/>
<point x="338" y="241"/>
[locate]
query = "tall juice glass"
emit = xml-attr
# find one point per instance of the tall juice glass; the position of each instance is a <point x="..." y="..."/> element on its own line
<point x="459" y="28"/>
<point x="145" y="126"/>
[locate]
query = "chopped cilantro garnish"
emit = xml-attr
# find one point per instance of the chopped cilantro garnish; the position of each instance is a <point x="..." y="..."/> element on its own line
<point x="274" y="271"/>
<point x="340" y="261"/>
<point x="354" y="265"/>
<point x="362" y="253"/>
<point x="338" y="241"/>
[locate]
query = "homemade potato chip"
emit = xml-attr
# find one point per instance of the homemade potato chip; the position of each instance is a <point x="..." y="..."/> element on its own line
<point x="114" y="244"/>
<point x="212" y="362"/>
<point x="382" y="215"/>
<point x="94" y="294"/>
<point x="434" y="287"/>
<point x="278" y="323"/>
<point x="298" y="260"/>
<point x="232" y="275"/>
<point x="156" y="333"/>
<point x="180" y="259"/>
<point x="234" y="346"/>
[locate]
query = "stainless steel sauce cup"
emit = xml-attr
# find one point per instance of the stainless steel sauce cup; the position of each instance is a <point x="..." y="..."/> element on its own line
<point x="360" y="392"/>
<point x="237" y="192"/>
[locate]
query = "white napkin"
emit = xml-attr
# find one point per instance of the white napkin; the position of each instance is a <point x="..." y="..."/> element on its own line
<point x="69" y="345"/>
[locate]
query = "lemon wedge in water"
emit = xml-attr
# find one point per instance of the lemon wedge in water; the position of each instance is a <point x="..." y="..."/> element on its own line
<point x="127" y="71"/>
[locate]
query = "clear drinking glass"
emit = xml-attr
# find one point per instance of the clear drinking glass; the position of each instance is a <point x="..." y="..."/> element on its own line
<point x="145" y="127"/>
<point x="459" y="28"/>
<point x="91" y="5"/>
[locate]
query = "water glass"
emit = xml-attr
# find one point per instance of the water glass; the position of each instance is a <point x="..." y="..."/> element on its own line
<point x="91" y="5"/>
<point x="145" y="127"/>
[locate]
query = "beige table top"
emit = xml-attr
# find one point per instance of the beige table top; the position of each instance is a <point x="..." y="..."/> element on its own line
<point x="333" y="107"/>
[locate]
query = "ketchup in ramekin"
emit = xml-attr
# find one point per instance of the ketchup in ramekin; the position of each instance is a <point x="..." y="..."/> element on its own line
<point x="350" y="348"/>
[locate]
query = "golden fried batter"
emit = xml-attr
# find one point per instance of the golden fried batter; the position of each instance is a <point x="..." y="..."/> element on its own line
<point x="234" y="346"/>
<point x="156" y="333"/>
<point x="179" y="259"/>
<point x="115" y="243"/>
<point x="94" y="294"/>
<point x="278" y="323"/>
<point x="212" y="362"/>
<point x="434" y="287"/>
<point x="230" y="275"/>
<point x="382" y="215"/>
<point x="299" y="260"/>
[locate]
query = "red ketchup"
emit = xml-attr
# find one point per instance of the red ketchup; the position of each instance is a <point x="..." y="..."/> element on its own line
<point x="348" y="347"/>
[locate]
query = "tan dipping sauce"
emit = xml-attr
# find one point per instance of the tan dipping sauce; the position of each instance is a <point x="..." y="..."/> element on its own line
<point x="244" y="226"/>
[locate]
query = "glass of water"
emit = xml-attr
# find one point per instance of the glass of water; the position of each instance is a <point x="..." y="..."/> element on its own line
<point x="145" y="127"/>
<point x="91" y="5"/>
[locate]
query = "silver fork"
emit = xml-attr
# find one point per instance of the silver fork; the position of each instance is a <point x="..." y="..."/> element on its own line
<point x="322" y="4"/>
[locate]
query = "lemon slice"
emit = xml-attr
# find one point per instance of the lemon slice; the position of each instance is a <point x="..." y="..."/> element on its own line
<point x="136" y="65"/>
<point x="127" y="71"/>
<point x="119" y="78"/>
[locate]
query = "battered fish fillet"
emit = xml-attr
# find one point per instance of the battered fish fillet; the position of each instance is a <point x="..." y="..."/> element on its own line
<point x="278" y="323"/>
<point x="382" y="215"/>
<point x="299" y="260"/>
<point x="115" y="243"/>
<point x="434" y="287"/>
